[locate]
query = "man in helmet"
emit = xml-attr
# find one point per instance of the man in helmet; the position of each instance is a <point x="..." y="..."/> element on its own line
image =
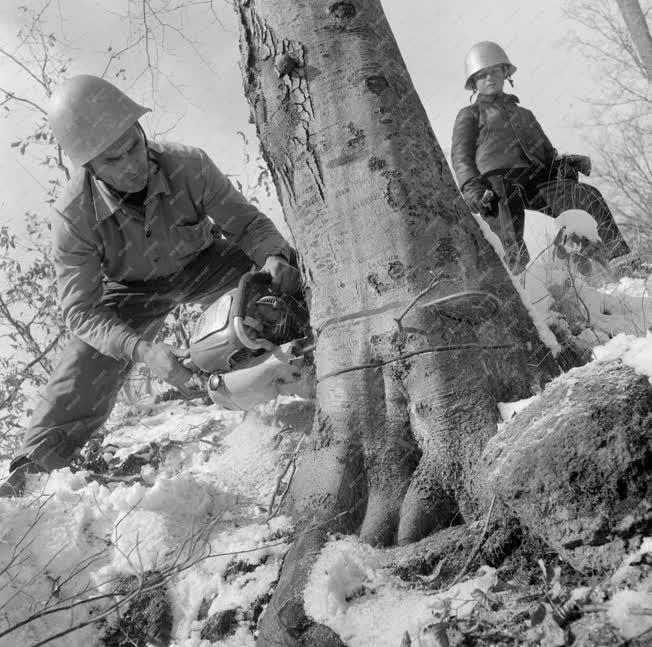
<point x="135" y="233"/>
<point x="505" y="163"/>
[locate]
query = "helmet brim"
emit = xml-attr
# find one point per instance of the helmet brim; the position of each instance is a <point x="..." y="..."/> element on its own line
<point x="469" y="82"/>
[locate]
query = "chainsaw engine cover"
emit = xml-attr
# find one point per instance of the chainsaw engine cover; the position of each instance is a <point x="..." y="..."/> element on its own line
<point x="242" y="323"/>
<point x="214" y="342"/>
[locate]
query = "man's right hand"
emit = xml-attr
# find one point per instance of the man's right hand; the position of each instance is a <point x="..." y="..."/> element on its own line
<point x="474" y="195"/>
<point x="164" y="361"/>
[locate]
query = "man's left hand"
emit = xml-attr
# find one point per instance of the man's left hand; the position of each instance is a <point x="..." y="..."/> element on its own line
<point x="285" y="278"/>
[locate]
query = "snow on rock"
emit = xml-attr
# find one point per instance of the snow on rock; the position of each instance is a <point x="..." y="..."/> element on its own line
<point x="579" y="222"/>
<point x="508" y="410"/>
<point x="352" y="591"/>
<point x="545" y="334"/>
<point x="635" y="352"/>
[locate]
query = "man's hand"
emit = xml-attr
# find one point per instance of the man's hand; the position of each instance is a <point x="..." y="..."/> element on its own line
<point x="285" y="278"/>
<point x="474" y="192"/>
<point x="165" y="362"/>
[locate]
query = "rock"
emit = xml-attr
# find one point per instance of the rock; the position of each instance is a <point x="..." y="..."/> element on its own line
<point x="150" y="454"/>
<point x="220" y="624"/>
<point x="145" y="620"/>
<point x="320" y="636"/>
<point x="573" y="466"/>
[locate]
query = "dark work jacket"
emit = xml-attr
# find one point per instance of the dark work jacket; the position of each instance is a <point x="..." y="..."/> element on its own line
<point x="496" y="133"/>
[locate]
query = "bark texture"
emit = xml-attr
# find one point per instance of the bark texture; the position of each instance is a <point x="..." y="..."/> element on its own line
<point x="574" y="467"/>
<point x="639" y="31"/>
<point x="377" y="219"/>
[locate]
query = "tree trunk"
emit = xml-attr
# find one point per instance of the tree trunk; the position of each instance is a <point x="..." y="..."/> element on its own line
<point x="377" y="219"/>
<point x="639" y="32"/>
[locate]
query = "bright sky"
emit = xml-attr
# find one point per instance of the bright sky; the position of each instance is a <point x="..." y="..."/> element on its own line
<point x="434" y="36"/>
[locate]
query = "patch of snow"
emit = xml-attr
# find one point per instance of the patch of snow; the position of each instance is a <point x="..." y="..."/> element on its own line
<point x="579" y="222"/>
<point x="635" y="352"/>
<point x="247" y="463"/>
<point x="630" y="287"/>
<point x="509" y="409"/>
<point x="626" y="568"/>
<point x="88" y="536"/>
<point x="545" y="334"/>
<point x="352" y="591"/>
<point x="630" y="611"/>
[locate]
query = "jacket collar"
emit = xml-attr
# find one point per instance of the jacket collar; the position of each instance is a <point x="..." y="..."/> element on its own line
<point x="106" y="203"/>
<point x="500" y="98"/>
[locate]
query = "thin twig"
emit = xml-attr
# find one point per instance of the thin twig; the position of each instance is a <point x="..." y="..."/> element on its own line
<point x="477" y="544"/>
<point x="422" y="351"/>
<point x="291" y="463"/>
<point x="579" y="298"/>
<point x="411" y="305"/>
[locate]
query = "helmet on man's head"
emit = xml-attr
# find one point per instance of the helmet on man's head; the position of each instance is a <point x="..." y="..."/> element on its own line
<point x="87" y="114"/>
<point x="482" y="55"/>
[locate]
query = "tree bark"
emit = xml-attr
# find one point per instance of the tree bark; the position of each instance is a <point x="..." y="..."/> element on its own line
<point x="377" y="219"/>
<point x="639" y="31"/>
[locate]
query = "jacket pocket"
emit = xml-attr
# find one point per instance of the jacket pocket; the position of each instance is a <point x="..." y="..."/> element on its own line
<point x="191" y="239"/>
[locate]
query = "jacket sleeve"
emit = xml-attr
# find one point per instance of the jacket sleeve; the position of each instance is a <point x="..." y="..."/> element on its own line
<point x="465" y="138"/>
<point x="79" y="280"/>
<point x="239" y="220"/>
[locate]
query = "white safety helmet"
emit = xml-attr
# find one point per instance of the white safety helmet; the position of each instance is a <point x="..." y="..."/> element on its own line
<point x="87" y="114"/>
<point x="482" y="55"/>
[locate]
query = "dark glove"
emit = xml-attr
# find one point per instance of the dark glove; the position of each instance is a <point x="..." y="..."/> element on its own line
<point x="568" y="166"/>
<point x="476" y="196"/>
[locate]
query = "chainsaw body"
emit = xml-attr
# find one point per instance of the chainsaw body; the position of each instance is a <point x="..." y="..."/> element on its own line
<point x="251" y="342"/>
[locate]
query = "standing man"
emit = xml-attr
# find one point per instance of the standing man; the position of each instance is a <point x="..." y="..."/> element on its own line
<point x="134" y="235"/>
<point x="504" y="162"/>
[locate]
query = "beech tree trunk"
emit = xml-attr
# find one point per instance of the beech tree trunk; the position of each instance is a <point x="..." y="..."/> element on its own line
<point x="376" y="218"/>
<point x="639" y="31"/>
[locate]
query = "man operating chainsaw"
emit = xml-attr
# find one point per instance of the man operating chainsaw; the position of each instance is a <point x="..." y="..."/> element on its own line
<point x="140" y="228"/>
<point x="505" y="163"/>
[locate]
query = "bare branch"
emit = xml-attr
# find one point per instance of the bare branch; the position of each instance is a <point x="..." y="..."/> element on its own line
<point x="23" y="66"/>
<point x="10" y="96"/>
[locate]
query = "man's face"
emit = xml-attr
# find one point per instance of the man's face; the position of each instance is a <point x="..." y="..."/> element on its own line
<point x="490" y="80"/>
<point x="124" y="164"/>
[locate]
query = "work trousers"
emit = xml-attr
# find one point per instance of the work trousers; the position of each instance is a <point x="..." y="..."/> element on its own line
<point x="83" y="387"/>
<point x="523" y="188"/>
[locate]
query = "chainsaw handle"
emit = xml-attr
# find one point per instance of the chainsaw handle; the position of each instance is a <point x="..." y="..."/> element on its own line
<point x="239" y="309"/>
<point x="239" y="300"/>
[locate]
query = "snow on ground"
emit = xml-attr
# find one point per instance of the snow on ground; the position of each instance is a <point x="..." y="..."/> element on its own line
<point x="630" y="609"/>
<point x="545" y="334"/>
<point x="613" y="307"/>
<point x="68" y="538"/>
<point x="352" y="592"/>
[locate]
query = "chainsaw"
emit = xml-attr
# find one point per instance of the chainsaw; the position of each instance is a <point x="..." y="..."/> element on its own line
<point x="252" y="345"/>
